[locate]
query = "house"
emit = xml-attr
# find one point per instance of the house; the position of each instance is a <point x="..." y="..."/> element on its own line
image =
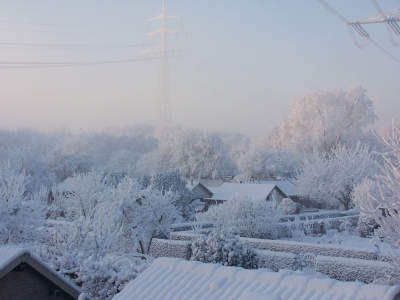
<point x="24" y="276"/>
<point x="175" y="278"/>
<point x="200" y="192"/>
<point x="269" y="192"/>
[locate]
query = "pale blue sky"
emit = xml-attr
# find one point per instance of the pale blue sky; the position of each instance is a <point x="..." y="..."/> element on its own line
<point x="248" y="61"/>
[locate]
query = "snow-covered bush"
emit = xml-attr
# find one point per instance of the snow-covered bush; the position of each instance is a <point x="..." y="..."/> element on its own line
<point x="223" y="247"/>
<point x="366" y="225"/>
<point x="103" y="277"/>
<point x="248" y="216"/>
<point x="287" y="207"/>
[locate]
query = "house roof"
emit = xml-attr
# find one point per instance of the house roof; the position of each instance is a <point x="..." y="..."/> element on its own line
<point x="191" y="186"/>
<point x="255" y="191"/>
<point x="11" y="257"/>
<point x="174" y="278"/>
<point x="286" y="186"/>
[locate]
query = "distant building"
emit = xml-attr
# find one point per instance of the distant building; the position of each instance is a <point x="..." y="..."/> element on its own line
<point x="268" y="192"/>
<point x="199" y="191"/>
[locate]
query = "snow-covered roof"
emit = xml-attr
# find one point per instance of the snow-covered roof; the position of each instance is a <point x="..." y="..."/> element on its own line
<point x="11" y="257"/>
<point x="174" y="278"/>
<point x="192" y="187"/>
<point x="255" y="191"/>
<point x="285" y="186"/>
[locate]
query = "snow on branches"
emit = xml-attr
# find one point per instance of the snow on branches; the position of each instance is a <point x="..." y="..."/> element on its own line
<point x="381" y="198"/>
<point x="102" y="222"/>
<point x="322" y="119"/>
<point x="287" y="207"/>
<point x="20" y="215"/>
<point x="331" y="177"/>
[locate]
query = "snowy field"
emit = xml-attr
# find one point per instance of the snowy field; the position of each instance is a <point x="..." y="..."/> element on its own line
<point x="348" y="239"/>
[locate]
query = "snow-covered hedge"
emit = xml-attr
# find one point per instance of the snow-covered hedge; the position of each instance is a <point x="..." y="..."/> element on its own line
<point x="278" y="260"/>
<point x="350" y="269"/>
<point x="170" y="248"/>
<point x="320" y="215"/>
<point x="224" y="247"/>
<point x="189" y="235"/>
<point x="298" y="247"/>
<point x="285" y="228"/>
<point x="189" y="226"/>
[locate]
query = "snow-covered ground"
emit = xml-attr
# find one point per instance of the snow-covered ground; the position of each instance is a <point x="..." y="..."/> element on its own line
<point x="348" y="239"/>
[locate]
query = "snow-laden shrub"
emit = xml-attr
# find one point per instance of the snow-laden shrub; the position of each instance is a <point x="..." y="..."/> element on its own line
<point x="103" y="277"/>
<point x="223" y="247"/>
<point x="99" y="275"/>
<point x="287" y="207"/>
<point x="366" y="225"/>
<point x="249" y="217"/>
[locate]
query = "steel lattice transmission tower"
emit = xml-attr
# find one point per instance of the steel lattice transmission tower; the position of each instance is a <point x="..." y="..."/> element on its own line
<point x="163" y="104"/>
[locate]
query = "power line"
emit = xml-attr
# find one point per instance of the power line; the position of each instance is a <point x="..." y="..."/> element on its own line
<point x="42" y="24"/>
<point x="19" y="65"/>
<point x="357" y="27"/>
<point x="226" y="56"/>
<point x="66" y="45"/>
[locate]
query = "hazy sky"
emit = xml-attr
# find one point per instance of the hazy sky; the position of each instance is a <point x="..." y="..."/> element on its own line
<point x="248" y="60"/>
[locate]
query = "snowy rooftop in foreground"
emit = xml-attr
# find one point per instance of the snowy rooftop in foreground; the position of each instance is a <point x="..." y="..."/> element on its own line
<point x="255" y="191"/>
<point x="173" y="278"/>
<point x="11" y="257"/>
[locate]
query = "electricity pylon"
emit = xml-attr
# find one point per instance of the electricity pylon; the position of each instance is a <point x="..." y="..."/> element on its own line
<point x="163" y="104"/>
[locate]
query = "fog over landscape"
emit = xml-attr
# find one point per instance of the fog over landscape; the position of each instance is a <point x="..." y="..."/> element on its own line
<point x="247" y="62"/>
<point x="200" y="149"/>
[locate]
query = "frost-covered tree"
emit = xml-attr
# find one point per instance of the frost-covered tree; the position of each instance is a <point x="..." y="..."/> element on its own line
<point x="223" y="247"/>
<point x="103" y="239"/>
<point x="260" y="164"/>
<point x="144" y="213"/>
<point x="381" y="198"/>
<point x="32" y="160"/>
<point x="80" y="193"/>
<point x="71" y="155"/>
<point x="20" y="215"/>
<point x="196" y="154"/>
<point x="322" y="119"/>
<point x="250" y="217"/>
<point x="172" y="181"/>
<point x="330" y="177"/>
<point x="122" y="160"/>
